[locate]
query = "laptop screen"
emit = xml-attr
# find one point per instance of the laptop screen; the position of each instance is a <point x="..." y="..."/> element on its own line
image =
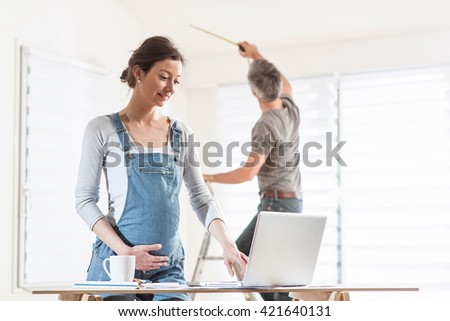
<point x="284" y="249"/>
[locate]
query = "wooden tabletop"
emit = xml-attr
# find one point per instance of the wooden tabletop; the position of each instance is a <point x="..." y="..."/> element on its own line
<point x="69" y="288"/>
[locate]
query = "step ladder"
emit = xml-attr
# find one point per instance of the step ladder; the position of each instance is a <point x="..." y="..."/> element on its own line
<point x="203" y="257"/>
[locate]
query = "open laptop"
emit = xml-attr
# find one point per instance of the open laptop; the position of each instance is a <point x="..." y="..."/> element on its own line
<point x="284" y="250"/>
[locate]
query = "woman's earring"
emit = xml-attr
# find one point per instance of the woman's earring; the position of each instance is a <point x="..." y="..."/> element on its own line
<point x="139" y="80"/>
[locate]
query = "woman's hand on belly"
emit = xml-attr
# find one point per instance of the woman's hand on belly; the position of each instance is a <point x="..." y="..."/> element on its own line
<point x="144" y="260"/>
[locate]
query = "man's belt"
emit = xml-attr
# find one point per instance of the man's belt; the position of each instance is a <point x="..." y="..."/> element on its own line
<point x="279" y="194"/>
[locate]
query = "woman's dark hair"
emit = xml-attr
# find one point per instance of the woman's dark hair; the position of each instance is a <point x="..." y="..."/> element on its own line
<point x="151" y="51"/>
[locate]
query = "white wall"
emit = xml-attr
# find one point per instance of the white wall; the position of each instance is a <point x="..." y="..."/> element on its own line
<point x="96" y="32"/>
<point x="346" y="56"/>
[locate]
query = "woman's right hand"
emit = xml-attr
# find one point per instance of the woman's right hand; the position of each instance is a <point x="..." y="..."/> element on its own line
<point x="144" y="260"/>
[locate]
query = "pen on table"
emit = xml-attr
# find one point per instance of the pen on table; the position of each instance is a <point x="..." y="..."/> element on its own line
<point x="141" y="282"/>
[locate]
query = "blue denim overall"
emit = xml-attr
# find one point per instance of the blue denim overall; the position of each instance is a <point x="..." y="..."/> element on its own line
<point x="151" y="213"/>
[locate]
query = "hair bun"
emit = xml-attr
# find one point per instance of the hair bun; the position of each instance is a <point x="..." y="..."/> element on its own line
<point x="124" y="76"/>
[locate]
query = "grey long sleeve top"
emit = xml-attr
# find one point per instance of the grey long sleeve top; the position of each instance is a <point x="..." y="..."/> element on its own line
<point x="101" y="152"/>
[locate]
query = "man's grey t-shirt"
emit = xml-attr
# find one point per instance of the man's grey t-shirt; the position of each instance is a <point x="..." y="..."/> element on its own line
<point x="276" y="135"/>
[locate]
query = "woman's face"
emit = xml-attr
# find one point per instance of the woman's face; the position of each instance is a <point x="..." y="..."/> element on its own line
<point x="160" y="82"/>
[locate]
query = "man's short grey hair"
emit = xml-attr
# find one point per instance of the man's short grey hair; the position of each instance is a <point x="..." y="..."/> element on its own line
<point x="264" y="80"/>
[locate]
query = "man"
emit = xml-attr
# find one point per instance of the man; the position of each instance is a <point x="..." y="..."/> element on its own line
<point x="274" y="156"/>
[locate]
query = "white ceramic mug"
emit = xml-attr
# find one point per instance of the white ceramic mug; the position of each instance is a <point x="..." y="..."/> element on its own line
<point x="121" y="268"/>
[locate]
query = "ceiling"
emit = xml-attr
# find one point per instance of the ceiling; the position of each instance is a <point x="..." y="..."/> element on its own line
<point x="283" y="23"/>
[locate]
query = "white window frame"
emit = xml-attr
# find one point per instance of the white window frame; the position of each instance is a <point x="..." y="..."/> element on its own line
<point x="21" y="191"/>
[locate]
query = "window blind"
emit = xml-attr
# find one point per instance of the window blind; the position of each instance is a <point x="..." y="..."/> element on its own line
<point x="317" y="99"/>
<point x="388" y="209"/>
<point x="238" y="111"/>
<point x="395" y="189"/>
<point x="59" y="98"/>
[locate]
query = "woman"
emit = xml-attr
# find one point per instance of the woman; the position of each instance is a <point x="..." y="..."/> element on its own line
<point x="144" y="157"/>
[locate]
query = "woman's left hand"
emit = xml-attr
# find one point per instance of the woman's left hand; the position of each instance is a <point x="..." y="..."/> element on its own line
<point x="233" y="258"/>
